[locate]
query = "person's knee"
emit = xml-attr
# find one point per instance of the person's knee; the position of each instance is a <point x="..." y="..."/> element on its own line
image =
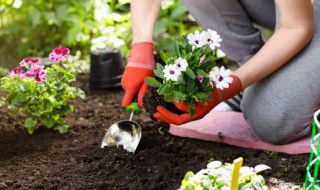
<point x="276" y="130"/>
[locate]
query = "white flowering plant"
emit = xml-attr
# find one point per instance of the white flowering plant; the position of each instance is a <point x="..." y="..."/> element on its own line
<point x="190" y="74"/>
<point x="41" y="94"/>
<point x="218" y="176"/>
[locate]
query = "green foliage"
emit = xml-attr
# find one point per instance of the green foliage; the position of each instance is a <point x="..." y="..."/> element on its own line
<point x="32" y="27"/>
<point x="44" y="103"/>
<point x="173" y="22"/>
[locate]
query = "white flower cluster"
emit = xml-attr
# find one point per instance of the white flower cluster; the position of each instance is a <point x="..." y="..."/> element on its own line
<point x="210" y="37"/>
<point x="218" y="177"/>
<point x="218" y="76"/>
<point x="173" y="72"/>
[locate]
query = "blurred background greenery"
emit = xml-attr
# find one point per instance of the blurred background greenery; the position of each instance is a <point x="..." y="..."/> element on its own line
<point x="35" y="27"/>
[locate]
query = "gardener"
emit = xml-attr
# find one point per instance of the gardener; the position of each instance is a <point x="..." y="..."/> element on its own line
<point x="280" y="79"/>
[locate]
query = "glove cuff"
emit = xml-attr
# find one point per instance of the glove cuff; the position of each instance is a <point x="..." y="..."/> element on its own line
<point x="142" y="55"/>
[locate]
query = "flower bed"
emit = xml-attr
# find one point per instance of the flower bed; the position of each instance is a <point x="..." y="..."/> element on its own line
<point x="74" y="160"/>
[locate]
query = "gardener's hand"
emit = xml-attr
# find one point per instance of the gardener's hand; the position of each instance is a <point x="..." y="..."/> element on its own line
<point x="164" y="115"/>
<point x="140" y="65"/>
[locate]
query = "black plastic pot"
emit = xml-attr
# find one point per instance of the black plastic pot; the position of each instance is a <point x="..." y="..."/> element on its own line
<point x="106" y="68"/>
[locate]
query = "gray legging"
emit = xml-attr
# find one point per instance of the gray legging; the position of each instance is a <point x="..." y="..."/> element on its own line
<point x="278" y="108"/>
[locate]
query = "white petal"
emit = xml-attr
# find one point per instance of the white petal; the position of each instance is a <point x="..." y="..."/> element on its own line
<point x="261" y="167"/>
<point x="214" y="164"/>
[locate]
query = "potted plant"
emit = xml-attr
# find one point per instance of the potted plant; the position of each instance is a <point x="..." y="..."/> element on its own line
<point x="188" y="75"/>
<point x="41" y="94"/>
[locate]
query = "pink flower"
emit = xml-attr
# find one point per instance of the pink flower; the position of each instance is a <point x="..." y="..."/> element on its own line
<point x="34" y="70"/>
<point x="40" y="76"/>
<point x="59" y="53"/>
<point x="23" y="75"/>
<point x="15" y="71"/>
<point x="200" y="78"/>
<point x="26" y="61"/>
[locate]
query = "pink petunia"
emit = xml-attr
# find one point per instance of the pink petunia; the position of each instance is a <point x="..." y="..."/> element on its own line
<point x="26" y="61"/>
<point x="59" y="53"/>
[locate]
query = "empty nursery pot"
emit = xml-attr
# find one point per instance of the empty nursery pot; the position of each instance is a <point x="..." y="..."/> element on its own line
<point x="106" y="68"/>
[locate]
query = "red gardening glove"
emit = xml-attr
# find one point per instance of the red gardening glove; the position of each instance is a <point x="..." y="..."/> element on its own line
<point x="140" y="65"/>
<point x="164" y="115"/>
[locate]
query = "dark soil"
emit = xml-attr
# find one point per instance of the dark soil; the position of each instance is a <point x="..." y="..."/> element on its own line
<point x="49" y="160"/>
<point x="152" y="99"/>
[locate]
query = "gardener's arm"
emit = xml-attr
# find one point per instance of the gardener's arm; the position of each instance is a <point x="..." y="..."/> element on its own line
<point x="294" y="33"/>
<point x="141" y="60"/>
<point x="144" y="14"/>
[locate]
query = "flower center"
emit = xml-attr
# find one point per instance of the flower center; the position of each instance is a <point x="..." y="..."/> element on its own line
<point x="179" y="65"/>
<point x="209" y="40"/>
<point x="171" y="72"/>
<point x="220" y="78"/>
<point x="197" y="41"/>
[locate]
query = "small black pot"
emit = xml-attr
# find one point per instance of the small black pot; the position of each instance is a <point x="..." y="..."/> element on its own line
<point x="106" y="68"/>
<point x="152" y="99"/>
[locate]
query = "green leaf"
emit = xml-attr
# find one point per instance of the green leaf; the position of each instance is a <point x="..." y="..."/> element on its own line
<point x="178" y="12"/>
<point x="159" y="28"/>
<point x="163" y="90"/>
<point x="190" y="73"/>
<point x="30" y="124"/>
<point x="19" y="98"/>
<point x="158" y="73"/>
<point x="181" y="81"/>
<point x="48" y="122"/>
<point x="62" y="128"/>
<point x="152" y="82"/>
<point x="163" y="56"/>
<point x="202" y="73"/>
<point x="190" y="84"/>
<point x="176" y="49"/>
<point x="178" y="96"/>
<point x="202" y="95"/>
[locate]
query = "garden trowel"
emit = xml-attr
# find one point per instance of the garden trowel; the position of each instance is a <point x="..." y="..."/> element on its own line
<point x="125" y="133"/>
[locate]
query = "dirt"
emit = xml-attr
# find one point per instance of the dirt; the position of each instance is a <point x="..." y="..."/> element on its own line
<point x="49" y="160"/>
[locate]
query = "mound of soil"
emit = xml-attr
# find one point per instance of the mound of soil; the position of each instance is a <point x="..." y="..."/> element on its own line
<point x="49" y="160"/>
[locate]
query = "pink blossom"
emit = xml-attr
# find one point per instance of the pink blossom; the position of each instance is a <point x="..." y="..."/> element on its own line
<point x="40" y="76"/>
<point x="23" y="75"/>
<point x="200" y="78"/>
<point x="34" y="70"/>
<point x="15" y="71"/>
<point x="59" y="53"/>
<point x="26" y="61"/>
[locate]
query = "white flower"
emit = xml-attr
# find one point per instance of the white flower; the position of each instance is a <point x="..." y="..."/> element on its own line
<point x="171" y="72"/>
<point x="221" y="77"/>
<point x="197" y="39"/>
<point x="181" y="64"/>
<point x="214" y="164"/>
<point x="261" y="167"/>
<point x="213" y="39"/>
<point x="220" y="53"/>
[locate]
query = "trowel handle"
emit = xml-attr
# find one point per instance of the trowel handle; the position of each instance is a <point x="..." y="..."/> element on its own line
<point x="134" y="107"/>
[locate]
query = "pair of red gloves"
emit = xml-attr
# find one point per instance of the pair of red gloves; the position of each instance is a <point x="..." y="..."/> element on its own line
<point x="141" y="64"/>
